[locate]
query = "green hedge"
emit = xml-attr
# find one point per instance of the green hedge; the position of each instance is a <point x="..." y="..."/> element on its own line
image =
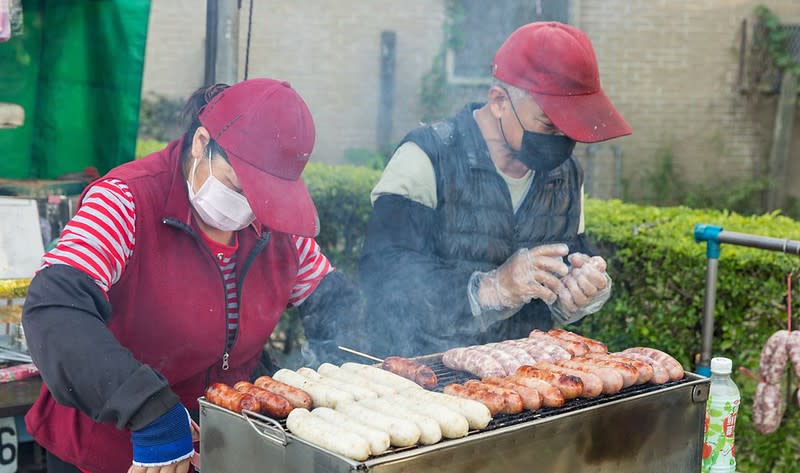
<point x="659" y="274"/>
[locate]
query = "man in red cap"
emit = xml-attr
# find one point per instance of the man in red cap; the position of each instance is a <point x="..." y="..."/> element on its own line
<point x="172" y="276"/>
<point x="476" y="234"/>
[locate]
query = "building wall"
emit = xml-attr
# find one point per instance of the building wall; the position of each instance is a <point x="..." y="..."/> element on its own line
<point x="328" y="50"/>
<point x="672" y="67"/>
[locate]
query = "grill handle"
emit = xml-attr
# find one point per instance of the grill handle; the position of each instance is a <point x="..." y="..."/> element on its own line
<point x="274" y="433"/>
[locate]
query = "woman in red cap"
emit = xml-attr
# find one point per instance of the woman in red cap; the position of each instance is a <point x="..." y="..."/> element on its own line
<point x="171" y="276"/>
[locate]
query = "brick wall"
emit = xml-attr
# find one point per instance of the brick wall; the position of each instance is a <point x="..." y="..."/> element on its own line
<point x="328" y="50"/>
<point x="672" y="67"/>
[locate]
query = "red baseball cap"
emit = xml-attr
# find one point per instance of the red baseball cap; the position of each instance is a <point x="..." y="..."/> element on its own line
<point x="555" y="63"/>
<point x="267" y="131"/>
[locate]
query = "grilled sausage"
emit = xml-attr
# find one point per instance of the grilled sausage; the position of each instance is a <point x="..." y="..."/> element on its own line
<point x="225" y="396"/>
<point x="570" y="386"/>
<point x="476" y="413"/>
<point x="322" y="395"/>
<point x="380" y="376"/>
<point x="378" y="440"/>
<point x="429" y="430"/>
<point x="473" y="361"/>
<point x="574" y="348"/>
<point x="296" y="397"/>
<point x="628" y="372"/>
<point x="531" y="399"/>
<point x="271" y="404"/>
<point x="453" y="424"/>
<point x="512" y="401"/>
<point x="542" y="350"/>
<point x="358" y="392"/>
<point x="644" y="370"/>
<point x="671" y="364"/>
<point x="402" y="432"/>
<point x="506" y="360"/>
<point x="612" y="380"/>
<point x="410" y="369"/>
<point x="551" y="396"/>
<point x="592" y="384"/>
<point x="327" y="435"/>
<point x="660" y="374"/>
<point x="334" y="372"/>
<point x="494" y="402"/>
<point x="516" y="351"/>
<point x="593" y="345"/>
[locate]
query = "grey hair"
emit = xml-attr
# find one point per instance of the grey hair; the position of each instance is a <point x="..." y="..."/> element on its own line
<point x="514" y="92"/>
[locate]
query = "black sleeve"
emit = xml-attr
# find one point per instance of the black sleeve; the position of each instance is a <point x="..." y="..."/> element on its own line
<point x="411" y="293"/>
<point x="82" y="364"/>
<point x="584" y="245"/>
<point x="331" y="316"/>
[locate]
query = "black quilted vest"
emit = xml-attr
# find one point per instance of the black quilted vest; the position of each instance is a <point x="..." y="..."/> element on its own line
<point x="476" y="223"/>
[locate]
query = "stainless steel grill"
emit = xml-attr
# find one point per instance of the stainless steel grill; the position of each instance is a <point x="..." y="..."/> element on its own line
<point x="642" y="428"/>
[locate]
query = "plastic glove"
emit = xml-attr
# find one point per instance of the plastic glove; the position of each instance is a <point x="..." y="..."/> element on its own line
<point x="164" y="443"/>
<point x="528" y="274"/>
<point x="584" y="290"/>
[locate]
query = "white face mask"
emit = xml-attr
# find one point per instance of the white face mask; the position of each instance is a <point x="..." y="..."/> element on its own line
<point x="219" y="205"/>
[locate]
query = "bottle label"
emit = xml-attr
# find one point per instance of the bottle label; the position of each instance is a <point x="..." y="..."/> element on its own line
<point x="720" y="424"/>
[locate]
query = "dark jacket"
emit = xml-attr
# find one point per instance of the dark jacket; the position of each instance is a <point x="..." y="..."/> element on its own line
<point x="417" y="261"/>
<point x="111" y="365"/>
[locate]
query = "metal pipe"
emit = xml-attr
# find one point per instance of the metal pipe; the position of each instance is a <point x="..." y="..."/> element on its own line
<point x="703" y="368"/>
<point x="764" y="243"/>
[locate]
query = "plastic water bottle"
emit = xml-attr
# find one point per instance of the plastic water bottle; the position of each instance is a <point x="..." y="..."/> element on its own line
<point x="719" y="454"/>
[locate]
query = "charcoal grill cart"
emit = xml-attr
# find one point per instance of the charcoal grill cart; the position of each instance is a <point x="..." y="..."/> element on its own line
<point x="642" y="428"/>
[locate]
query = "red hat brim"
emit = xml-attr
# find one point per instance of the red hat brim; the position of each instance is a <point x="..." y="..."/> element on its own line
<point x="586" y="118"/>
<point x="282" y="205"/>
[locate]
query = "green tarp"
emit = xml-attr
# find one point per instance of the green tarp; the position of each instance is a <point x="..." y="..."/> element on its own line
<point x="77" y="71"/>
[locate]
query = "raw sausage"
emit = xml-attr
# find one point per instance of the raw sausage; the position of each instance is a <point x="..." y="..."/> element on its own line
<point x="321" y="394"/>
<point x="334" y="372"/>
<point x="476" y="413"/>
<point x="429" y="430"/>
<point x="378" y="440"/>
<point x="329" y="436"/>
<point x="381" y="376"/>
<point x="453" y="424"/>
<point x="402" y="432"/>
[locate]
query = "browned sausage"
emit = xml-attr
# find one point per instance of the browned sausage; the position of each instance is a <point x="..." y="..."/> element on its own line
<point x="592" y="384"/>
<point x="512" y="401"/>
<point x="272" y="404"/>
<point x="492" y="401"/>
<point x="570" y="386"/>
<point x="671" y="364"/>
<point x="612" y="380"/>
<point x="594" y="345"/>
<point x="628" y="372"/>
<point x="644" y="370"/>
<point x="551" y="396"/>
<point x="573" y="347"/>
<point x="225" y="396"/>
<point x="531" y="399"/>
<point x="410" y="369"/>
<point x="296" y="397"/>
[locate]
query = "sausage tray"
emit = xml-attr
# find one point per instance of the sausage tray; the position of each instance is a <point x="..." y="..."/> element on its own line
<point x="642" y="428"/>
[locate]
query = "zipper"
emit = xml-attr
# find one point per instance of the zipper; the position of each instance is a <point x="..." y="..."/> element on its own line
<point x="188" y="230"/>
<point x="262" y="242"/>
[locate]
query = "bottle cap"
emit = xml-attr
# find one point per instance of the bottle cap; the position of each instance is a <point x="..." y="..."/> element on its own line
<point x="720" y="365"/>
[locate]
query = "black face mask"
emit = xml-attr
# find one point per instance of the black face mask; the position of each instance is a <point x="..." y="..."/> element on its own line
<point x="539" y="151"/>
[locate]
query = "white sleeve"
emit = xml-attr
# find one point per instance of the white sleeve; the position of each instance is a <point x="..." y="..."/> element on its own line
<point x="581" y="225"/>
<point x="408" y="174"/>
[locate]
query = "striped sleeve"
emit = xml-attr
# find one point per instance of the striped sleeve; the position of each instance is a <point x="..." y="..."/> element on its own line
<point x="100" y="238"/>
<point x="313" y="266"/>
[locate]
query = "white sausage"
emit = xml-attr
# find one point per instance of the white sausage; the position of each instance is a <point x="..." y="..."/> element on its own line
<point x="477" y="414"/>
<point x="429" y="430"/>
<point x="452" y="423"/>
<point x="380" y="376"/>
<point x="326" y="435"/>
<point x="378" y="439"/>
<point x="321" y="394"/>
<point x="332" y="371"/>
<point x="402" y="433"/>
<point x="358" y="392"/>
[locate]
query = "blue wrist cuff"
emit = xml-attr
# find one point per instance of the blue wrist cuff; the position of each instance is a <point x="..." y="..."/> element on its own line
<point x="166" y="440"/>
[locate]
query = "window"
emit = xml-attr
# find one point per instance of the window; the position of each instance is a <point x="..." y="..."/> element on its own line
<point x="484" y="27"/>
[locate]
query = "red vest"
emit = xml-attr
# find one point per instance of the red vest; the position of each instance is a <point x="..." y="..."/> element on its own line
<point x="168" y="309"/>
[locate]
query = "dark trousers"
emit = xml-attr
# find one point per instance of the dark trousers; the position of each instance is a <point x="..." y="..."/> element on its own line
<point x="57" y="465"/>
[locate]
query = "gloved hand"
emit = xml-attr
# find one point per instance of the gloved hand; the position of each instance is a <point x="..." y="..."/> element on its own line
<point x="164" y="445"/>
<point x="583" y="290"/>
<point x="528" y="274"/>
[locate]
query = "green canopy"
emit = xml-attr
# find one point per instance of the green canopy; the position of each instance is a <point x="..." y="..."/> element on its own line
<point x="77" y="71"/>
